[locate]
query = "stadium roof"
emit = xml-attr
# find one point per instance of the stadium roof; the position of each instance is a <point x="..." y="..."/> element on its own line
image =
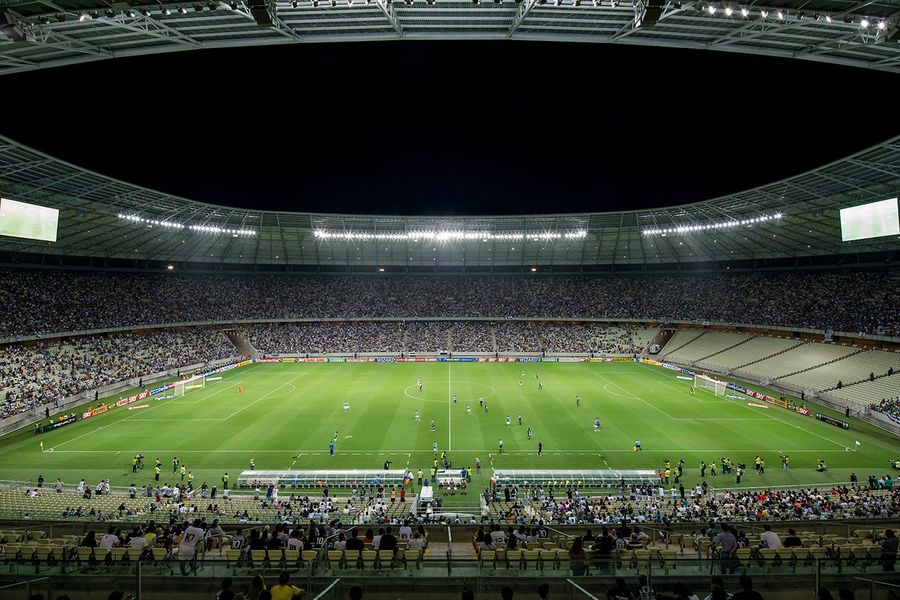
<point x="107" y="218"/>
<point x="39" y="33"/>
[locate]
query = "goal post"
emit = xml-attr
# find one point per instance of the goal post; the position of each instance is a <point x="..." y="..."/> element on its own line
<point x="702" y="382"/>
<point x="186" y="385"/>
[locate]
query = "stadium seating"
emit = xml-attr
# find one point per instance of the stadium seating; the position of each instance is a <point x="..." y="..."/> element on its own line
<point x="796" y="360"/>
<point x="754" y="349"/>
<point x="850" y="369"/>
<point x="56" y="301"/>
<point x="702" y="346"/>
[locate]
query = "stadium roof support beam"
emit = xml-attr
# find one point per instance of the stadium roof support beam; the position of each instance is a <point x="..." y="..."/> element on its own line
<point x="521" y="12"/>
<point x="388" y="10"/>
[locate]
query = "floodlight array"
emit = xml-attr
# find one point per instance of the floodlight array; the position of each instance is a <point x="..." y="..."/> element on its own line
<point x="176" y="225"/>
<point x="449" y="235"/>
<point x="712" y="226"/>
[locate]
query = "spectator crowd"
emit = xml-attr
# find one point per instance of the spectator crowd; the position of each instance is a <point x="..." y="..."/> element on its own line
<point x="36" y="374"/>
<point x="40" y="302"/>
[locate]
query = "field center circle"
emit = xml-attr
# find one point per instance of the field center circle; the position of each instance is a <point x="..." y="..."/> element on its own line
<point x="452" y="381"/>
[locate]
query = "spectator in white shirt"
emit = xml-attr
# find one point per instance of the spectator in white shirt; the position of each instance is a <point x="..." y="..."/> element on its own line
<point x="770" y="538"/>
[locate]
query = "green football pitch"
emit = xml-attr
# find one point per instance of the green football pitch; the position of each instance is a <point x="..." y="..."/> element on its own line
<point x="288" y="412"/>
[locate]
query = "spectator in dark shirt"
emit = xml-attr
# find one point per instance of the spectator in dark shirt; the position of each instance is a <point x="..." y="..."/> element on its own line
<point x="747" y="592"/>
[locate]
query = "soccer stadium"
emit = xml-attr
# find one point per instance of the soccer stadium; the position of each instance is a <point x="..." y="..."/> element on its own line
<point x="678" y="401"/>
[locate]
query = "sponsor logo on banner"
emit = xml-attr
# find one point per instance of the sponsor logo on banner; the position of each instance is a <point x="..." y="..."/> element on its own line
<point x="336" y="360"/>
<point x="650" y="361"/>
<point x="622" y="359"/>
<point x="833" y="421"/>
<point x="550" y="359"/>
<point x="56" y="424"/>
<point x="529" y="359"/>
<point x="385" y="359"/>
<point x="244" y="363"/>
<point x="670" y="366"/>
<point x="357" y="360"/>
<point x="573" y="359"/>
<point x="268" y="360"/>
<point x="803" y="411"/>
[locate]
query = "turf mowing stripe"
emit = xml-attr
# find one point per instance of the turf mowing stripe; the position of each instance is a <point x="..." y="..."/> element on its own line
<point x="246" y="406"/>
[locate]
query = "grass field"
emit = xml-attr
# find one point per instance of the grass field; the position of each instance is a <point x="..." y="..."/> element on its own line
<point x="289" y="412"/>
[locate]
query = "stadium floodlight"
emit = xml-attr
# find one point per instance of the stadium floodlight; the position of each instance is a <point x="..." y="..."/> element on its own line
<point x="449" y="235"/>
<point x="744" y="11"/>
<point x="707" y="226"/>
<point x="780" y="15"/>
<point x="174" y="225"/>
<point x="166" y="11"/>
<point x="728" y="11"/>
<point x="864" y="23"/>
<point x="711" y="9"/>
<point x="882" y="25"/>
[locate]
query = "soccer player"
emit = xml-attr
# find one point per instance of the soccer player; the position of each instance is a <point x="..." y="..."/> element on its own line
<point x="528" y="433"/>
<point x="508" y="421"/>
<point x="468" y="409"/>
<point x="42" y="449"/>
<point x="577" y="401"/>
<point x="252" y="464"/>
<point x="785" y="462"/>
<point x="485" y="407"/>
<point x="540" y="385"/>
<point x="501" y="445"/>
<point x="454" y="399"/>
<point x="334" y="437"/>
<point x="520" y="420"/>
<point x="481" y="401"/>
<point x="540" y="448"/>
<point x="346" y="407"/>
<point x="434" y="447"/>
<point x="331" y="448"/>
<point x="637" y="445"/>
<point x="417" y="416"/>
<point x="521" y="382"/>
<point x="596" y="424"/>
<point x="433" y="425"/>
<point x="692" y="391"/>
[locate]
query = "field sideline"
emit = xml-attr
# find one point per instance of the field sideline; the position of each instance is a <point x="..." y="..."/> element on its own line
<point x="289" y="412"/>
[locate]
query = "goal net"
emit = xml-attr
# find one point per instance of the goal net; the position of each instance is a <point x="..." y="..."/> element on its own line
<point x="702" y="382"/>
<point x="186" y="385"/>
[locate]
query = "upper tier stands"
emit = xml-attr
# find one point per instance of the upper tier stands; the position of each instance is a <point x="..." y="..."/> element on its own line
<point x="43" y="301"/>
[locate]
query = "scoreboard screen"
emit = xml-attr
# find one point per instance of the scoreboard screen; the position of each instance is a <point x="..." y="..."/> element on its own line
<point x="876" y="219"/>
<point x="29" y="221"/>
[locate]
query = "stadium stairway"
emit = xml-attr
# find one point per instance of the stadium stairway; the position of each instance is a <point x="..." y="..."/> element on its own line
<point x="744" y="341"/>
<point x="241" y="343"/>
<point x="821" y="364"/>
<point x="753" y="362"/>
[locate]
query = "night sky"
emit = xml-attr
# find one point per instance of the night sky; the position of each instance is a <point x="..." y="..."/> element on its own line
<point x="450" y="127"/>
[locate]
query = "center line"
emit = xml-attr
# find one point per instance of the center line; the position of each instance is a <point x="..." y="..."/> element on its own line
<point x="449" y="411"/>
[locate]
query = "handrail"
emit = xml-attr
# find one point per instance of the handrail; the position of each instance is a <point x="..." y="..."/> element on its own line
<point x="582" y="590"/>
<point x="884" y="583"/>
<point x="326" y="590"/>
<point x="18" y="583"/>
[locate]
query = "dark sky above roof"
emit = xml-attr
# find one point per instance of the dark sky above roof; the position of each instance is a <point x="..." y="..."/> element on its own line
<point x="450" y="127"/>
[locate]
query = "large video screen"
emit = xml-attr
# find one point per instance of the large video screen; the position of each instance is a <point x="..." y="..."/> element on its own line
<point x="876" y="219"/>
<point x="22" y="220"/>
